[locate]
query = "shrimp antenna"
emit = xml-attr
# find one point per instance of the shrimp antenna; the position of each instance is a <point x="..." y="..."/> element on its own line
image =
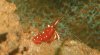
<point x="56" y="22"/>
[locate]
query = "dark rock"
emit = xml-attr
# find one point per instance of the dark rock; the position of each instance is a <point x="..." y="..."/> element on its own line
<point x="3" y="37"/>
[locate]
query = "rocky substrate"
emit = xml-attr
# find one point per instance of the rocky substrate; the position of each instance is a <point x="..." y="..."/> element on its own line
<point x="14" y="41"/>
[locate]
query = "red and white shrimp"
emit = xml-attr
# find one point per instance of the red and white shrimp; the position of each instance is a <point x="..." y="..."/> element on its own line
<point x="49" y="34"/>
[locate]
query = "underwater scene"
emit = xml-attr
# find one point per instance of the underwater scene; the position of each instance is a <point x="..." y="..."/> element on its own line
<point x="49" y="27"/>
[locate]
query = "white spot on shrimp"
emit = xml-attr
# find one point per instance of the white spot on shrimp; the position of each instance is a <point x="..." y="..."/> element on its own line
<point x="33" y="39"/>
<point x="42" y="32"/>
<point x="48" y="25"/>
<point x="46" y="36"/>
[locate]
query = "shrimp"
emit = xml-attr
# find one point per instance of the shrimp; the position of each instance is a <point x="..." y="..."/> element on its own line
<point x="48" y="35"/>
